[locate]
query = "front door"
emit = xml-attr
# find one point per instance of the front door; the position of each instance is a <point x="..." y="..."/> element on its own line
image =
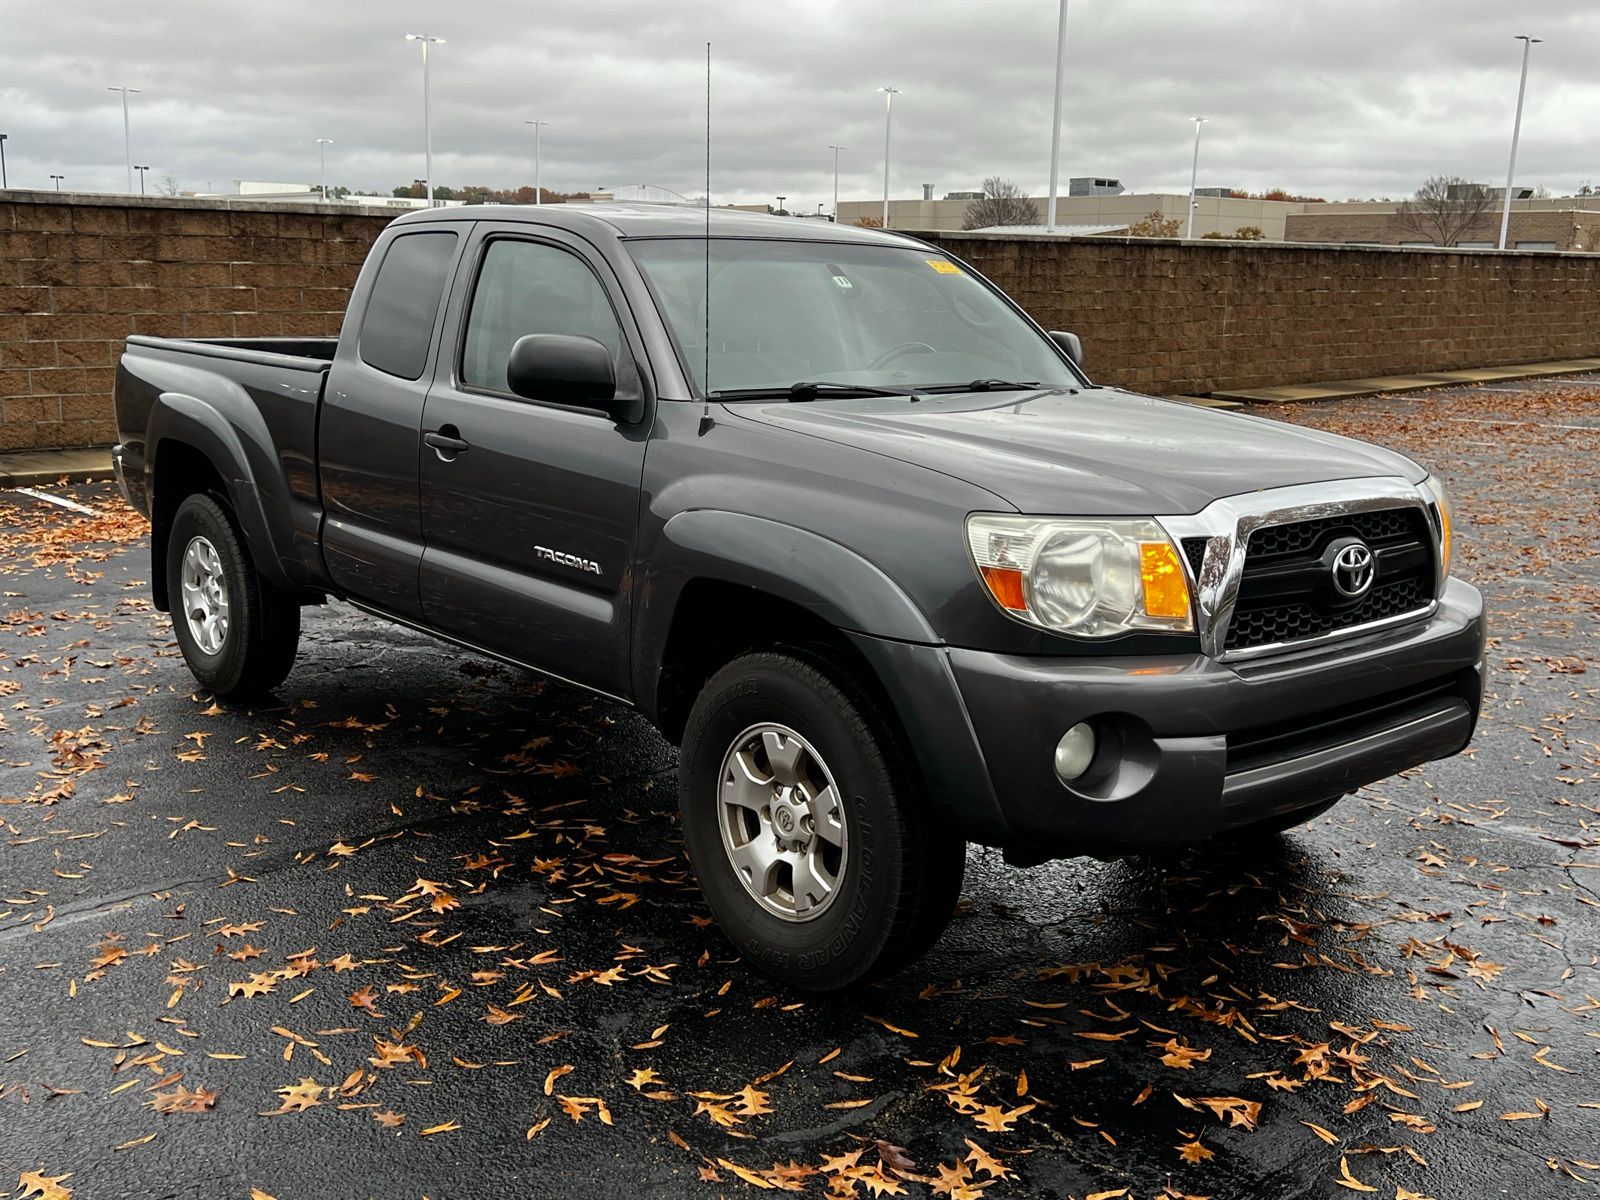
<point x="529" y="510"/>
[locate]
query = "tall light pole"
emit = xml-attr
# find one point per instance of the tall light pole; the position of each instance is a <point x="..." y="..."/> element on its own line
<point x="427" y="39"/>
<point x="127" y="141"/>
<point x="538" y="188"/>
<point x="2" y="160"/>
<point x="322" y="166"/>
<point x="1055" y="123"/>
<point x="141" y="171"/>
<point x="889" y="93"/>
<point x="58" y="179"/>
<point x="1516" y="131"/>
<point x="836" y="150"/>
<point x="1194" y="172"/>
<point x="781" y="199"/>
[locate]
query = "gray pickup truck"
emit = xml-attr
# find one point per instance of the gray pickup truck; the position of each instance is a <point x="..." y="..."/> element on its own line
<point x="843" y="522"/>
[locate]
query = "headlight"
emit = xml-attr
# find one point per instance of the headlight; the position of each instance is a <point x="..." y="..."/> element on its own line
<point x="1433" y="488"/>
<point x="1087" y="578"/>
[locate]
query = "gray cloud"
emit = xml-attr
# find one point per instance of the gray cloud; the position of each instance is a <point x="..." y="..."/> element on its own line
<point x="1338" y="97"/>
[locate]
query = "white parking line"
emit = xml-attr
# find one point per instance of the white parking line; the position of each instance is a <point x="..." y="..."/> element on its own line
<point x="49" y="499"/>
<point x="1535" y="424"/>
<point x="1543" y="383"/>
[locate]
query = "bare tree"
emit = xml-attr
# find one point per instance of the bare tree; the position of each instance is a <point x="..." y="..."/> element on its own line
<point x="1445" y="209"/>
<point x="167" y="186"/>
<point x="1003" y="203"/>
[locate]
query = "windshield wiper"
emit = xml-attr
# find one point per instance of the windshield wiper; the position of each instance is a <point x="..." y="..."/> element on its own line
<point x="991" y="385"/>
<point x="806" y="391"/>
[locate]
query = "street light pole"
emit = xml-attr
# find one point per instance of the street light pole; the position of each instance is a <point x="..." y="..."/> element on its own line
<point x="3" y="160"/>
<point x="1194" y="172"/>
<point x="58" y="179"/>
<point x="322" y="166"/>
<point x="141" y="171"/>
<point x="127" y="141"/>
<point x="889" y="93"/>
<point x="538" y="188"/>
<point x="836" y="150"/>
<point x="426" y="39"/>
<point x="1516" y="131"/>
<point x="1055" y="123"/>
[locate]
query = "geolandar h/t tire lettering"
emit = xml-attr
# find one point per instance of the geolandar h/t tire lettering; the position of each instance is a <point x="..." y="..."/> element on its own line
<point x="805" y="826"/>
<point x="237" y="632"/>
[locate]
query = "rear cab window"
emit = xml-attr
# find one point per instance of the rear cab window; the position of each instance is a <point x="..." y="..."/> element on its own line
<point x="397" y="327"/>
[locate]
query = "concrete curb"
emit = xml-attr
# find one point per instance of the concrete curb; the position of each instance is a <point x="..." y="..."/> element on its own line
<point x="30" y="468"/>
<point x="1349" y="389"/>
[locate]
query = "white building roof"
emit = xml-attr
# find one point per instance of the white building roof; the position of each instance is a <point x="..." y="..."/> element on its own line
<point x="1059" y="231"/>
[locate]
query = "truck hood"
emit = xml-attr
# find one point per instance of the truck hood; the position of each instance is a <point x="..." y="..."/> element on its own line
<point x="1097" y="452"/>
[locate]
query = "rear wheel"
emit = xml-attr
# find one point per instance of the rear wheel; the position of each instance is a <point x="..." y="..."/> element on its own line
<point x="238" y="633"/>
<point x="805" y="828"/>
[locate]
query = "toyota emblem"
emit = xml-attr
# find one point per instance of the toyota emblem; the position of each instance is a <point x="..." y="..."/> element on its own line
<point x="1353" y="571"/>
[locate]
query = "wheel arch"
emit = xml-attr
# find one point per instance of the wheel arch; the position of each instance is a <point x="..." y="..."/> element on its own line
<point x="720" y="584"/>
<point x="195" y="448"/>
<point x="719" y="581"/>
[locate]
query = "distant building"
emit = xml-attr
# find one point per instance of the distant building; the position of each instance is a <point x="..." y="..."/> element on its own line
<point x="257" y="191"/>
<point x="1089" y="185"/>
<point x="1109" y="210"/>
<point x="1554" y="223"/>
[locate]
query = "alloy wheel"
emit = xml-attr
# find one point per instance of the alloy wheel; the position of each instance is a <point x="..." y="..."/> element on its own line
<point x="783" y="822"/>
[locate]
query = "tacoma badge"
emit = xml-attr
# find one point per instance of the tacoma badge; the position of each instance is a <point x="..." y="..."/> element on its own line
<point x="567" y="560"/>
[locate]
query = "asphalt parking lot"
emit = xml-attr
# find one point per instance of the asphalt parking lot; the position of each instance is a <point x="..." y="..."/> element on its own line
<point x="424" y="928"/>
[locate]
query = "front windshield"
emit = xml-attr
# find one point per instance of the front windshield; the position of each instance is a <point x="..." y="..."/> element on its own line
<point x="787" y="312"/>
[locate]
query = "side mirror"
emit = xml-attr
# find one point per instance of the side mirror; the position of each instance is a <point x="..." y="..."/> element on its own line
<point x="561" y="369"/>
<point x="1070" y="343"/>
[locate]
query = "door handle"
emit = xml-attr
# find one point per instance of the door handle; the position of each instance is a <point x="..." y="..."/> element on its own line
<point x="446" y="442"/>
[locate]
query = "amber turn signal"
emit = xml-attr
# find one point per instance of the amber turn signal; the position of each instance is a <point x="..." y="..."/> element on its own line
<point x="1005" y="585"/>
<point x="1166" y="592"/>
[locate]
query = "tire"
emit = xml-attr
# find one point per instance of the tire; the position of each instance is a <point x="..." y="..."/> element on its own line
<point x="896" y="876"/>
<point x="251" y="649"/>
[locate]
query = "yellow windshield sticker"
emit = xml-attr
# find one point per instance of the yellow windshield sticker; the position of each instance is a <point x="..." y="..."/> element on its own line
<point x="943" y="267"/>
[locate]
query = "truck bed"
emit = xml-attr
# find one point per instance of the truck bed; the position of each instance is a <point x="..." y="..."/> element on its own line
<point x="316" y="353"/>
<point x="257" y="395"/>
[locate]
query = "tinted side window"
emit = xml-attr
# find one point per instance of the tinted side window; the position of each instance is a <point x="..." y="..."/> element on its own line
<point x="528" y="287"/>
<point x="404" y="303"/>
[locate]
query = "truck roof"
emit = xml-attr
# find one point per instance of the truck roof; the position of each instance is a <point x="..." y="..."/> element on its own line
<point x="658" y="220"/>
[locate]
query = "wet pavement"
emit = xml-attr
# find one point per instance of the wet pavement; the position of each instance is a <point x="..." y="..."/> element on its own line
<point x="424" y="928"/>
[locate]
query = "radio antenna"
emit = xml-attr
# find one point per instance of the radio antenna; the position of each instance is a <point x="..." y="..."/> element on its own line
<point x="705" y="379"/>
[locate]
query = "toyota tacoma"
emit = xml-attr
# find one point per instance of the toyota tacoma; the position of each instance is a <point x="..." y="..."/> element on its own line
<point x="842" y="521"/>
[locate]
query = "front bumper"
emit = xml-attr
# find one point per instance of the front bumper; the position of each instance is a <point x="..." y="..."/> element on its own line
<point x="1194" y="746"/>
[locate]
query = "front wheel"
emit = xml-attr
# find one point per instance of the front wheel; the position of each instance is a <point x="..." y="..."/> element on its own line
<point x="805" y="826"/>
<point x="237" y="632"/>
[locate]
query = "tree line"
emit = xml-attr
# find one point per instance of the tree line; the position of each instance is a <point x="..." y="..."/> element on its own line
<point x="479" y="194"/>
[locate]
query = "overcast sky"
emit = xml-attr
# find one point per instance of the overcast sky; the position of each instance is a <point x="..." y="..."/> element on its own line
<point x="1341" y="98"/>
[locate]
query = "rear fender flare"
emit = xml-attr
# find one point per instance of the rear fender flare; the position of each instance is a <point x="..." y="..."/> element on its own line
<point x="239" y="445"/>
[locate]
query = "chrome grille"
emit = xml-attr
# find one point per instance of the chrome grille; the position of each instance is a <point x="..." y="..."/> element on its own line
<point x="1283" y="593"/>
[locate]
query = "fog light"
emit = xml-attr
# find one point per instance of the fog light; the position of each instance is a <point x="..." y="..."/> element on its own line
<point x="1074" y="752"/>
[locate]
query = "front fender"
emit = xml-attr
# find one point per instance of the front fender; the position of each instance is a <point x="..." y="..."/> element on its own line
<point x="824" y="577"/>
<point x="230" y="432"/>
<point x="853" y="596"/>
